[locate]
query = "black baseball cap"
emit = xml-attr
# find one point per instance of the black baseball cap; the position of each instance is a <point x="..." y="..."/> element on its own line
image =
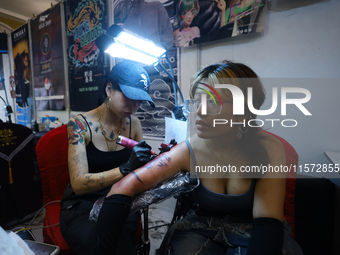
<point x="133" y="81"/>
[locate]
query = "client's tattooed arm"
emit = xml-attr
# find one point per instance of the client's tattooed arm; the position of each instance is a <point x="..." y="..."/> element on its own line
<point x="161" y="168"/>
<point x="161" y="161"/>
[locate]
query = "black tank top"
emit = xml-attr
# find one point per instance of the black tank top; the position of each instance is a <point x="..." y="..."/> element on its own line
<point x="98" y="161"/>
<point x="216" y="204"/>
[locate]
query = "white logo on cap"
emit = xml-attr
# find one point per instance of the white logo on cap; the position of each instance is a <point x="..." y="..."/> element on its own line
<point x="145" y="81"/>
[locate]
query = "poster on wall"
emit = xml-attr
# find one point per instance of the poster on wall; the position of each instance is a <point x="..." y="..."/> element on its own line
<point x="151" y="20"/>
<point x="191" y="21"/>
<point x="48" y="61"/>
<point x="197" y="21"/>
<point x="22" y="79"/>
<point x="85" y="21"/>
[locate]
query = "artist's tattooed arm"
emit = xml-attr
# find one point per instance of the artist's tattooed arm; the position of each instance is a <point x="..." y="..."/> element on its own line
<point x="76" y="129"/>
<point x="81" y="180"/>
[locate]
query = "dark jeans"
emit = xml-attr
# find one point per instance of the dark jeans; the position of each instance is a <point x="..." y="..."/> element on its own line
<point x="198" y="235"/>
<point x="80" y="233"/>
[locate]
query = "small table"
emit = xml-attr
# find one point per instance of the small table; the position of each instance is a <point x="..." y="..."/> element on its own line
<point x="333" y="157"/>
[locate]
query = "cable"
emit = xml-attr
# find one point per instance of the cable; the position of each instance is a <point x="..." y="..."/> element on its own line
<point x="55" y="201"/>
<point x="174" y="82"/>
<point x="3" y="100"/>
<point x="172" y="74"/>
<point x="29" y="228"/>
<point x="3" y="80"/>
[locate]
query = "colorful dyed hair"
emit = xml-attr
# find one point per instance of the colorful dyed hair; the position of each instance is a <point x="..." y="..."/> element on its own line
<point x="186" y="5"/>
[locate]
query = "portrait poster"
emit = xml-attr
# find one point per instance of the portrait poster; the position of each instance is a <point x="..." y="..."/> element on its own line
<point x="22" y="79"/>
<point x="85" y="21"/>
<point x="150" y="20"/>
<point x="48" y="61"/>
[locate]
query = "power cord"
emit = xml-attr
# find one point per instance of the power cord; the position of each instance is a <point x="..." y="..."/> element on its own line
<point x="26" y="232"/>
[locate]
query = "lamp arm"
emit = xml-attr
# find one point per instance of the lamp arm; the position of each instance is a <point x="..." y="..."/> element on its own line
<point x="173" y="82"/>
<point x="3" y="100"/>
<point x="3" y="82"/>
<point x="172" y="74"/>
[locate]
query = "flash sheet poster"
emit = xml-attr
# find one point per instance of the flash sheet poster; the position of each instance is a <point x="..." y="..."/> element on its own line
<point x="48" y="63"/>
<point x="21" y="83"/>
<point x="85" y="21"/>
<point x="162" y="93"/>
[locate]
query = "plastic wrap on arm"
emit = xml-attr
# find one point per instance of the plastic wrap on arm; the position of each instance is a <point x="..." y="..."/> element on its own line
<point x="173" y="186"/>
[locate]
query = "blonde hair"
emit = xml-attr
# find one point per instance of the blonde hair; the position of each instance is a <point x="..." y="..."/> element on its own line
<point x="228" y="72"/>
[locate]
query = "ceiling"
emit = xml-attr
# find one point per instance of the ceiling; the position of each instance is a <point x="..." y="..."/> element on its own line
<point x="24" y="9"/>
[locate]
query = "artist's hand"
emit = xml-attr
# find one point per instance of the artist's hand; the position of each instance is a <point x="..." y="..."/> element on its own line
<point x="140" y="155"/>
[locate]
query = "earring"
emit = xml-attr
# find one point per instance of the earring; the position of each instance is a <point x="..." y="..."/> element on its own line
<point x="108" y="102"/>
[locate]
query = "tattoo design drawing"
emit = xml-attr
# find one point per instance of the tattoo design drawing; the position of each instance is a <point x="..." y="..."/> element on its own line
<point x="97" y="128"/>
<point x="161" y="160"/>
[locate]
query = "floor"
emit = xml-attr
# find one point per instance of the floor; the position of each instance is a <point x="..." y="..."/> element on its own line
<point x="157" y="219"/>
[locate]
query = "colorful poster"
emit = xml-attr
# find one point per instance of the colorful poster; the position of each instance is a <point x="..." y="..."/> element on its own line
<point x="191" y="21"/>
<point x="151" y="20"/>
<point x="85" y="21"/>
<point x="197" y="21"/>
<point x="21" y="60"/>
<point x="48" y="61"/>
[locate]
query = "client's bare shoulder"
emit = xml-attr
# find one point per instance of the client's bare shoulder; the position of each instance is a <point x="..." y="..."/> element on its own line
<point x="275" y="149"/>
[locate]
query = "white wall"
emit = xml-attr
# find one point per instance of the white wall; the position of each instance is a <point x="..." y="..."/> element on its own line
<point x="301" y="42"/>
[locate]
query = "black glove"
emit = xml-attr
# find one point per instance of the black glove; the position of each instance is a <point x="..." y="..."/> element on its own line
<point x="140" y="155"/>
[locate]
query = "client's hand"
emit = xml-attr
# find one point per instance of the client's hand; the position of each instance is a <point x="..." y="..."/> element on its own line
<point x="140" y="155"/>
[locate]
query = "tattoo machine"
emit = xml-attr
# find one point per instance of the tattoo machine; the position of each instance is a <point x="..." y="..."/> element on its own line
<point x="129" y="143"/>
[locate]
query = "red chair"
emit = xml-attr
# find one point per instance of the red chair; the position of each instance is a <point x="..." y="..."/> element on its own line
<point x="52" y="154"/>
<point x="292" y="159"/>
<point x="52" y="151"/>
<point x="186" y="201"/>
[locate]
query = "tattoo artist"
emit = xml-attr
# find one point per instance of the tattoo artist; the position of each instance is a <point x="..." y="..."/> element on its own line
<point x="96" y="162"/>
